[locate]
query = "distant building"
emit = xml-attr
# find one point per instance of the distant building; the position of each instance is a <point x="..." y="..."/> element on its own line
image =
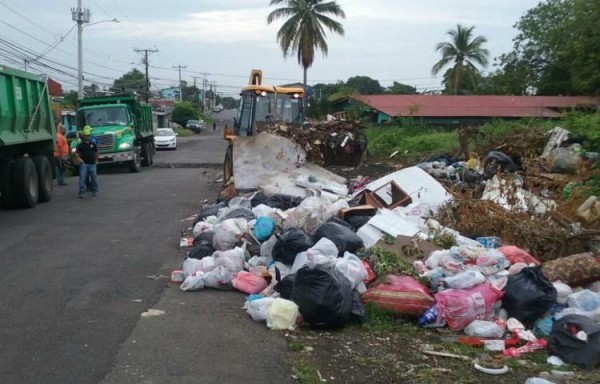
<point x="171" y="93"/>
<point x="459" y="110"/>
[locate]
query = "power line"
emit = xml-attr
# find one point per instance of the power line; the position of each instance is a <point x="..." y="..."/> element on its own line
<point x="146" y="51"/>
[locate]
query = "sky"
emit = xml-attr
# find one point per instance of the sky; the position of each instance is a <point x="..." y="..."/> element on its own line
<point x="223" y="40"/>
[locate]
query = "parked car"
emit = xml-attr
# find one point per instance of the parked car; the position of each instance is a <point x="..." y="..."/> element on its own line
<point x="195" y="126"/>
<point x="165" y="138"/>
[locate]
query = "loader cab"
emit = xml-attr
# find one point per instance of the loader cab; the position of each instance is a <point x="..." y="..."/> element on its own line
<point x="264" y="104"/>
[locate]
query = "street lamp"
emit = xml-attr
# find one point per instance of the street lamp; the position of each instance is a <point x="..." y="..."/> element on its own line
<point x="82" y="16"/>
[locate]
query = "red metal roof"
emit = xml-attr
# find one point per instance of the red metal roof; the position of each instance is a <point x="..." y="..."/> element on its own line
<point x="474" y="106"/>
<point x="54" y="88"/>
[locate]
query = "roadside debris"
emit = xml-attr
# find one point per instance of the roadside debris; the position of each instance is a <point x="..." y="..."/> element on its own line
<point x="503" y="269"/>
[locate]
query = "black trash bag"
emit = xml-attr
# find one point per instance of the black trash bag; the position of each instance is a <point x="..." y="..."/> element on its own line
<point x="323" y="295"/>
<point x="343" y="237"/>
<point x="285" y="286"/>
<point x="572" y="350"/>
<point x="528" y="295"/>
<point x="284" y="202"/>
<point x="498" y="159"/>
<point x="289" y="244"/>
<point x="357" y="221"/>
<point x="359" y="313"/>
<point x="212" y="210"/>
<point x="239" y="213"/>
<point x="258" y="199"/>
<point x="204" y="236"/>
<point x="337" y="220"/>
<point x="201" y="250"/>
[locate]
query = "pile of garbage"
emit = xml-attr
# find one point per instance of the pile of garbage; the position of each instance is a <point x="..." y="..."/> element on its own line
<point x="317" y="255"/>
<point x="325" y="142"/>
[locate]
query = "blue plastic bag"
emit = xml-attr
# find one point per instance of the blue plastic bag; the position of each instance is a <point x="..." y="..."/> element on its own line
<point x="264" y="228"/>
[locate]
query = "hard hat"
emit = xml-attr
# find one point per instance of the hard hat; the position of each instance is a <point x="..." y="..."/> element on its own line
<point x="87" y="130"/>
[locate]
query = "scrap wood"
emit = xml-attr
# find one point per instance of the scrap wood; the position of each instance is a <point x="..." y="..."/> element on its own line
<point x="445" y="354"/>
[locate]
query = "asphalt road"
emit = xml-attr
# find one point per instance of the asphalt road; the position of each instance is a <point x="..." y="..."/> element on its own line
<point x="76" y="275"/>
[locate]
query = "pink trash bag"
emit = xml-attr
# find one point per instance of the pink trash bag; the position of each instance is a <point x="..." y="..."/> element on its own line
<point x="459" y="307"/>
<point x="249" y="283"/>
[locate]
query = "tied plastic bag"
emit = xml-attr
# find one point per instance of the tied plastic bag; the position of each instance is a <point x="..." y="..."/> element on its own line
<point x="229" y="233"/>
<point x="323" y="295"/>
<point x="585" y="300"/>
<point x="460" y="307"/>
<point x="528" y="295"/>
<point x="492" y="261"/>
<point x="233" y="259"/>
<point x="202" y="226"/>
<point x="286" y="286"/>
<point x="309" y="215"/>
<point x="562" y="292"/>
<point x="249" y="283"/>
<point x="289" y="244"/>
<point x="352" y="267"/>
<point x="343" y="237"/>
<point x="190" y="266"/>
<point x="258" y="308"/>
<point x="433" y="261"/>
<point x="207" y="264"/>
<point x="266" y="248"/>
<point x="200" y="250"/>
<point x="282" y="315"/>
<point x="452" y="264"/>
<point x="467" y="252"/>
<point x="465" y="280"/>
<point x="193" y="282"/>
<point x="402" y="295"/>
<point x="481" y="328"/>
<point x="324" y="253"/>
<point x="564" y="343"/>
<point x="219" y="278"/>
<point x="263" y="210"/>
<point x="212" y="210"/>
<point x="516" y="255"/>
<point x="263" y="228"/>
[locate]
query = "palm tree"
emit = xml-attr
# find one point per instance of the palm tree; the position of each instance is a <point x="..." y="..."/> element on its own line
<point x="463" y="50"/>
<point x="304" y="31"/>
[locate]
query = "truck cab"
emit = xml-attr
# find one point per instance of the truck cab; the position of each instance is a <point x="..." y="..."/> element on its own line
<point x="122" y="127"/>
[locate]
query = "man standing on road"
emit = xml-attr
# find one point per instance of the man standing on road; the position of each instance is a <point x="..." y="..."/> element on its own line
<point x="87" y="155"/>
<point x="214" y="126"/>
<point x="61" y="154"/>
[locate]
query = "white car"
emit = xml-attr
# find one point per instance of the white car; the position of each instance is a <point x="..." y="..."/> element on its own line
<point x="165" y="138"/>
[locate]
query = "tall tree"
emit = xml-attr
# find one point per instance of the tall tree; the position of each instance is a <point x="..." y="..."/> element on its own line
<point x="365" y="85"/>
<point x="557" y="49"/>
<point x="132" y="81"/>
<point x="304" y="29"/>
<point x="401" y="89"/>
<point x="464" y="51"/>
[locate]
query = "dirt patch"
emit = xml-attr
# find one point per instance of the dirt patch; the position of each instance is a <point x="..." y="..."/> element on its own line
<point x="363" y="354"/>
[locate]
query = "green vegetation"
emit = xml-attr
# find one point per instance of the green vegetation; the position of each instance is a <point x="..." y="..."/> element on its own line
<point x="415" y="140"/>
<point x="183" y="132"/>
<point x="306" y="373"/>
<point x="410" y="139"/>
<point x="379" y="320"/>
<point x="386" y="262"/>
<point x="296" y="346"/>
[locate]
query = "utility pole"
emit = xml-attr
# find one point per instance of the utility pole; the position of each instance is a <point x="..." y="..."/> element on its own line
<point x="81" y="16"/>
<point x="146" y="51"/>
<point x="179" y="67"/>
<point x="196" y="77"/>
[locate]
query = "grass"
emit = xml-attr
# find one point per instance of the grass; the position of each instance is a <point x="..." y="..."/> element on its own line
<point x="183" y="132"/>
<point x="306" y="373"/>
<point x="296" y="346"/>
<point x="379" y="320"/>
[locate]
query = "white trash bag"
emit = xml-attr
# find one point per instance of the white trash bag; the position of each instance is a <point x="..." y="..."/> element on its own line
<point x="282" y="315"/>
<point x="193" y="282"/>
<point x="258" y="308"/>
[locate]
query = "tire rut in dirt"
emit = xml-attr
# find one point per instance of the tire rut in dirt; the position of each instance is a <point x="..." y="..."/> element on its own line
<point x="188" y="165"/>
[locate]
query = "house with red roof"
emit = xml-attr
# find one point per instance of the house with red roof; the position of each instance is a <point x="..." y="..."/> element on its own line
<point x="459" y="110"/>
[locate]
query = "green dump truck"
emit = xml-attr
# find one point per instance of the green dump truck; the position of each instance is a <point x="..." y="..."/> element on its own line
<point x="27" y="138"/>
<point x="123" y="128"/>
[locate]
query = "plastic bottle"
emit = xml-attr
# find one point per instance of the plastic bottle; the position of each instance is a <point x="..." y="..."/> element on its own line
<point x="429" y="316"/>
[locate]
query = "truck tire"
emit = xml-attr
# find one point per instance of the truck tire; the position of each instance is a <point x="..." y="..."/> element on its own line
<point x="7" y="195"/>
<point x="135" y="164"/>
<point x="228" y="164"/>
<point x="145" y="155"/>
<point x="26" y="183"/>
<point x="44" y="173"/>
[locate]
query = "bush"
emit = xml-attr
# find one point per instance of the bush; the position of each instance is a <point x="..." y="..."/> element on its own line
<point x="410" y="141"/>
